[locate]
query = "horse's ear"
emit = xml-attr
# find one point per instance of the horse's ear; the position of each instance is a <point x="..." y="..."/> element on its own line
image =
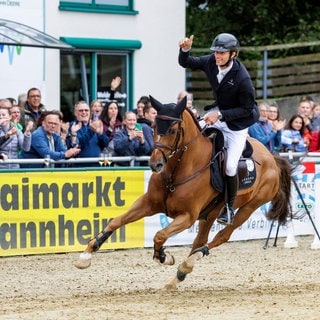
<point x="155" y="103"/>
<point x="181" y="105"/>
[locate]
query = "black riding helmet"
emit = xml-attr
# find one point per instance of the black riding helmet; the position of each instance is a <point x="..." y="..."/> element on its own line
<point x="226" y="42"/>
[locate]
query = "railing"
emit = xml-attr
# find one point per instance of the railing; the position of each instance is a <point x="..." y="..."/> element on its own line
<point x="301" y="156"/>
<point x="47" y="163"/>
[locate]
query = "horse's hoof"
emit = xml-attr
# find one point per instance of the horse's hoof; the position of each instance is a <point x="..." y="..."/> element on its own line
<point x="172" y="285"/>
<point x="84" y="261"/>
<point x="170" y="261"/>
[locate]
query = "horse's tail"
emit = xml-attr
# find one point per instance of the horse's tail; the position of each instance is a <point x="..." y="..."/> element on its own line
<point x="281" y="206"/>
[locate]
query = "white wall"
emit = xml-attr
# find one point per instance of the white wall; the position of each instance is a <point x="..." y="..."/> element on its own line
<point x="21" y="68"/>
<point x="159" y="26"/>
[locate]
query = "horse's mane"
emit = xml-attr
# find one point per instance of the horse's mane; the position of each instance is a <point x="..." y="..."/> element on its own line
<point x="195" y="120"/>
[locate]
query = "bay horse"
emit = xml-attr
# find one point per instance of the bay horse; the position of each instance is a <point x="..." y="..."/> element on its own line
<point x="180" y="186"/>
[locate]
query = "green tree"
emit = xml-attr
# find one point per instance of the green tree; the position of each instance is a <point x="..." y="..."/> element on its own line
<point x="253" y="22"/>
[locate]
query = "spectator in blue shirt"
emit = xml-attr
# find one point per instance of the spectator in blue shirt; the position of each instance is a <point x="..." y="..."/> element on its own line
<point x="87" y="134"/>
<point x="267" y="132"/>
<point x="133" y="140"/>
<point x="45" y="142"/>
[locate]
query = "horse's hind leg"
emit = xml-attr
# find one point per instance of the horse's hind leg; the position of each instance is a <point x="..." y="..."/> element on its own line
<point x="201" y="239"/>
<point x="138" y="210"/>
<point x="241" y="216"/>
<point x="221" y="237"/>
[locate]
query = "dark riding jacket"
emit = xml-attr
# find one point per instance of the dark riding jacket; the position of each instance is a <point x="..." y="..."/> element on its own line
<point x="235" y="95"/>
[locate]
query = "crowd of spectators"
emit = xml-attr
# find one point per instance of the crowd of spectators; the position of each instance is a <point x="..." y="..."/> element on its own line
<point x="299" y="133"/>
<point x="29" y="131"/>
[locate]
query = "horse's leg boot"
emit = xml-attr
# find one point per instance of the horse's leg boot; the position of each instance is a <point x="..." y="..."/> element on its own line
<point x="227" y="212"/>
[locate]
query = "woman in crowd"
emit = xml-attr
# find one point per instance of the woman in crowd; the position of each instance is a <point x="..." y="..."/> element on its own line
<point x="15" y="139"/>
<point x="96" y="108"/>
<point x="112" y="122"/>
<point x="111" y="119"/>
<point x="294" y="137"/>
<point x="141" y="103"/>
<point x="277" y="123"/>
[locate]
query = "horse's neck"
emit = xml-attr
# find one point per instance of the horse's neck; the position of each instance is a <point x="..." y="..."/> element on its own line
<point x="195" y="151"/>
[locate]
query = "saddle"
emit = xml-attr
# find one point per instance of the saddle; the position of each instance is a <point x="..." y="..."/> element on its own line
<point x="246" y="165"/>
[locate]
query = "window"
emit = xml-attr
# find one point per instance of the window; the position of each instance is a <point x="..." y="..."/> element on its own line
<point x="103" y="6"/>
<point x="87" y="71"/>
<point x="87" y="76"/>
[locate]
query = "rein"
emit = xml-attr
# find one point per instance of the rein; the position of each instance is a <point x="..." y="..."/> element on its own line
<point x="170" y="185"/>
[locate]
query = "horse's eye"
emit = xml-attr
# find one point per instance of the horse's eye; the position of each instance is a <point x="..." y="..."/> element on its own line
<point x="173" y="131"/>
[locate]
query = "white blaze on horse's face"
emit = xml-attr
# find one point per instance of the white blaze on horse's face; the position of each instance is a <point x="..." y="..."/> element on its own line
<point x="157" y="161"/>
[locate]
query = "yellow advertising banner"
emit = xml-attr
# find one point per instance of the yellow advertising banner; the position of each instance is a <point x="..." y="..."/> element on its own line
<point x="60" y="211"/>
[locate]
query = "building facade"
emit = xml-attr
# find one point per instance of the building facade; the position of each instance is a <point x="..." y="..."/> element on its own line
<point x="134" y="39"/>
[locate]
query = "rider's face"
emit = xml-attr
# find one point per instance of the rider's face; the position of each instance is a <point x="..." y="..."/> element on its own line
<point x="222" y="58"/>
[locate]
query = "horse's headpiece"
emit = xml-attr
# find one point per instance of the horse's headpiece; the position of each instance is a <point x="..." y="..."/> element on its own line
<point x="167" y="114"/>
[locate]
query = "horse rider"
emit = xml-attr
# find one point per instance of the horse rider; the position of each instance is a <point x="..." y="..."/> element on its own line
<point x="234" y="109"/>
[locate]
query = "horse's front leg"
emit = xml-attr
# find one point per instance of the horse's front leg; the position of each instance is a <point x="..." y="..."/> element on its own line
<point x="179" y="224"/>
<point x="138" y="210"/>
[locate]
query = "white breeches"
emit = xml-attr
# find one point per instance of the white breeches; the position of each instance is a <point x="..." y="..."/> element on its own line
<point x="234" y="143"/>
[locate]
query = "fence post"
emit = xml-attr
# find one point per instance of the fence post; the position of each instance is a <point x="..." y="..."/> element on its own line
<point x="316" y="242"/>
<point x="290" y="242"/>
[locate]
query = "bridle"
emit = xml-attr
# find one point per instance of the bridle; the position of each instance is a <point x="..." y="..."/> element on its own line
<point x="175" y="150"/>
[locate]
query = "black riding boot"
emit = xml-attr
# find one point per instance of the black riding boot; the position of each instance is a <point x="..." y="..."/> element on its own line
<point x="227" y="212"/>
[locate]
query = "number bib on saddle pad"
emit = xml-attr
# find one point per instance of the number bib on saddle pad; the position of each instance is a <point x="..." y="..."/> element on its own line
<point x="246" y="166"/>
<point x="246" y="173"/>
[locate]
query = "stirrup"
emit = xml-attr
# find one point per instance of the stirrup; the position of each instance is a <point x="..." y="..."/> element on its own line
<point x="226" y="215"/>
